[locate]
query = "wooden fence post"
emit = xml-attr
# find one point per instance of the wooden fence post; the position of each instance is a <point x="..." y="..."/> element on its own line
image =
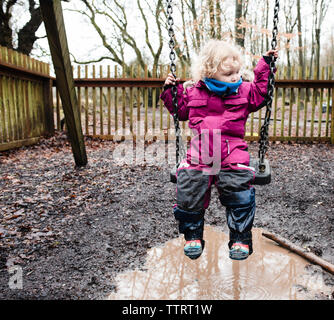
<point x="48" y="107"/>
<point x="332" y="118"/>
<point x="55" y="29"/>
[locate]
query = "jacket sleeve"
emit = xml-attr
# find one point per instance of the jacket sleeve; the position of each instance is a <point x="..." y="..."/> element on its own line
<point x="182" y="100"/>
<point x="259" y="87"/>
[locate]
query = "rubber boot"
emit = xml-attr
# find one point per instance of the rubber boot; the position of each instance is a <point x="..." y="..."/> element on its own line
<point x="191" y="224"/>
<point x="240" y="212"/>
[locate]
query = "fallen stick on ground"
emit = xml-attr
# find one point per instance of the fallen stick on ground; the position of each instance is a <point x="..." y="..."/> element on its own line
<point x="307" y="255"/>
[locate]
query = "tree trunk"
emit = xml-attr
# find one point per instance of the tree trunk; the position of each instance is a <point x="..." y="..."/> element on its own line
<point x="212" y="18"/>
<point x="267" y="20"/>
<point x="6" y="32"/>
<point x="311" y="68"/>
<point x="288" y="57"/>
<point x="185" y="57"/>
<point x="300" y="39"/>
<point x="239" y="39"/>
<point x="26" y="36"/>
<point x="218" y="18"/>
<point x="317" y="56"/>
<point x="6" y="38"/>
<point x="193" y="11"/>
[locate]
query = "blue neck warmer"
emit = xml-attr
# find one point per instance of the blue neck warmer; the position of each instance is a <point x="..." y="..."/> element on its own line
<point x="222" y="88"/>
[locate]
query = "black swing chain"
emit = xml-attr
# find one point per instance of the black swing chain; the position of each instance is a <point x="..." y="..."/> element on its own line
<point x="264" y="135"/>
<point x="180" y="151"/>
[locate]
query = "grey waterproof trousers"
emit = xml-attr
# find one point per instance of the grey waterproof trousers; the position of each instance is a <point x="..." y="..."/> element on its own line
<point x="235" y="193"/>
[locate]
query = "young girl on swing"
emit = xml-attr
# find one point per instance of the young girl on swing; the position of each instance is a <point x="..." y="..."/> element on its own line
<point x="217" y="106"/>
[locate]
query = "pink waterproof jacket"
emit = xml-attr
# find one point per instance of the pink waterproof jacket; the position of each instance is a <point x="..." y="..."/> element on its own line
<point x="218" y="122"/>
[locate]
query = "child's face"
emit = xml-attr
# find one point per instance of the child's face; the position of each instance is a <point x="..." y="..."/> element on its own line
<point x="229" y="74"/>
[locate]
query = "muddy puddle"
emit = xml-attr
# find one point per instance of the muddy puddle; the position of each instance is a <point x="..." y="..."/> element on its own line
<point x="271" y="272"/>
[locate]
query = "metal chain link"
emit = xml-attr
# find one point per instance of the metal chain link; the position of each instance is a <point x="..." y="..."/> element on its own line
<point x="264" y="133"/>
<point x="180" y="150"/>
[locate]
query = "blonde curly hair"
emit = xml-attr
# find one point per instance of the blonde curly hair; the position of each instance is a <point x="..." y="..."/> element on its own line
<point x="216" y="54"/>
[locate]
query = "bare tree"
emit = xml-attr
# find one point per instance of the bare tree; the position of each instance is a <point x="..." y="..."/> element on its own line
<point x="115" y="14"/>
<point x="195" y="25"/>
<point x="210" y="6"/>
<point x="320" y="10"/>
<point x="238" y="30"/>
<point x="156" y="13"/>
<point x="218" y="19"/>
<point x="6" y="36"/>
<point x="327" y="56"/>
<point x="185" y="57"/>
<point x="194" y="22"/>
<point x="266" y="24"/>
<point x="300" y="38"/>
<point x="26" y="36"/>
<point x="290" y="23"/>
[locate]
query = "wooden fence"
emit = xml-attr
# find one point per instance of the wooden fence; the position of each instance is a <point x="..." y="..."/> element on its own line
<point x="25" y="100"/>
<point x="114" y="106"/>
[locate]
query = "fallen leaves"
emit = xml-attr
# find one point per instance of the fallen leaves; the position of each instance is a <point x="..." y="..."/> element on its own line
<point x="15" y="215"/>
<point x="36" y="234"/>
<point x="42" y="192"/>
<point x="46" y="204"/>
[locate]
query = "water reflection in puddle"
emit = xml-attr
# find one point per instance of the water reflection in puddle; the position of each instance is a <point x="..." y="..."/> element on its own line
<point x="271" y="272"/>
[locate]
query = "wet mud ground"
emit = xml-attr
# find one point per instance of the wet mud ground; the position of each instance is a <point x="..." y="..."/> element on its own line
<point x="73" y="230"/>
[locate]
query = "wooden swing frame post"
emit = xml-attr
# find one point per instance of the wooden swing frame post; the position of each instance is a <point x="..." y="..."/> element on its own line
<point x="54" y="24"/>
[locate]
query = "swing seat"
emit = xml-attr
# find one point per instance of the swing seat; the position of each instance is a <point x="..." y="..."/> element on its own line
<point x="262" y="177"/>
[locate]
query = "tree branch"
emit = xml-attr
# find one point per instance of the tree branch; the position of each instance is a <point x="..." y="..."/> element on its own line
<point x="128" y="39"/>
<point x="307" y="255"/>
<point x="100" y="33"/>
<point x="91" y="61"/>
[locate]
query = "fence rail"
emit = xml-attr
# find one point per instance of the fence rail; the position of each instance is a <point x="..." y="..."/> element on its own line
<point x="25" y="100"/>
<point x="118" y="107"/>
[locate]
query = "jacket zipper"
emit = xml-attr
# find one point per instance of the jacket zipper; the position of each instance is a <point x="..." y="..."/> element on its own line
<point x="228" y="147"/>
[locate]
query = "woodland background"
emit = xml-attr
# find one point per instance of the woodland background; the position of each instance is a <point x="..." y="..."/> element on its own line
<point x="124" y="33"/>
